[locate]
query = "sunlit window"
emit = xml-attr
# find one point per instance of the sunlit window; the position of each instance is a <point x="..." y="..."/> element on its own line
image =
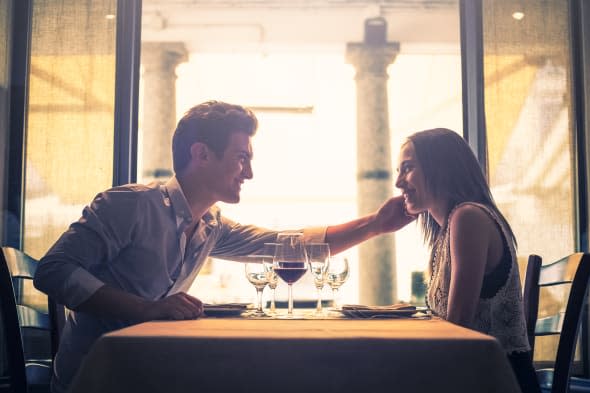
<point x="305" y="149"/>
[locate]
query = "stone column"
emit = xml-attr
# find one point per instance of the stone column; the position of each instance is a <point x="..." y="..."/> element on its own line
<point x="374" y="170"/>
<point x="159" y="61"/>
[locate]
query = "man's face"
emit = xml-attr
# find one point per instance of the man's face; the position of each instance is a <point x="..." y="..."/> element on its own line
<point x="229" y="171"/>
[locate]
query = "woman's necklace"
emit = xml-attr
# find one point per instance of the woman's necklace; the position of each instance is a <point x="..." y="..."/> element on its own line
<point x="438" y="243"/>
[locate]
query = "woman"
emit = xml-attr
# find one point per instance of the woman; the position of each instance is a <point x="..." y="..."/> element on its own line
<point x="474" y="279"/>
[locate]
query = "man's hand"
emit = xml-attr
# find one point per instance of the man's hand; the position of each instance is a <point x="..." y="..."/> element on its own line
<point x="392" y="215"/>
<point x="177" y="306"/>
<point x="111" y="303"/>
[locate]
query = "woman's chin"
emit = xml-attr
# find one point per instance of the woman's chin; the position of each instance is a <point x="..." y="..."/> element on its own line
<point x="412" y="210"/>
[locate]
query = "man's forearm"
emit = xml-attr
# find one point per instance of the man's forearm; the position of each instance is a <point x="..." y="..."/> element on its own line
<point x="111" y="303"/>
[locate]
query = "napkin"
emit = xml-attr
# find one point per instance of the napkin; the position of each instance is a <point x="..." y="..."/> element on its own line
<point x="398" y="306"/>
<point x="237" y="306"/>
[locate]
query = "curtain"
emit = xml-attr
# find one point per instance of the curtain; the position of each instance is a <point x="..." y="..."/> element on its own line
<point x="69" y="137"/>
<point x="528" y="110"/>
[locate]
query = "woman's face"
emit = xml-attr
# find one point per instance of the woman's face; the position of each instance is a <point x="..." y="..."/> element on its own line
<point x="411" y="181"/>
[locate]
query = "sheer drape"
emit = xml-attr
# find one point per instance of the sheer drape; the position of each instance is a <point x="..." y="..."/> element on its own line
<point x="5" y="6"/>
<point x="70" y="114"/>
<point x="529" y="126"/>
<point x="4" y="88"/>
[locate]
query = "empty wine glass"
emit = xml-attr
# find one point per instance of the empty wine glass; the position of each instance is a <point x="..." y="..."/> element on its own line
<point x="290" y="262"/>
<point x="257" y="275"/>
<point x="273" y="280"/>
<point x="318" y="255"/>
<point x="336" y="276"/>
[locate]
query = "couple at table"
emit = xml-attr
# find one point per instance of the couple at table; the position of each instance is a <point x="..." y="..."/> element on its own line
<point x="136" y="249"/>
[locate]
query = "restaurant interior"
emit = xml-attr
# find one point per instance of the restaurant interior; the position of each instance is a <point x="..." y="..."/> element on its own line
<point x="91" y="91"/>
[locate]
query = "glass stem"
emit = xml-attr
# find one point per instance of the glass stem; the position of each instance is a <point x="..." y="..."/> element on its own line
<point x="335" y="297"/>
<point x="259" y="295"/>
<point x="272" y="301"/>
<point x="318" y="306"/>
<point x="290" y="309"/>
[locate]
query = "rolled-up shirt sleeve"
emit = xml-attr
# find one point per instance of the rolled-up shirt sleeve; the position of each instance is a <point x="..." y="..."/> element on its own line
<point x="68" y="271"/>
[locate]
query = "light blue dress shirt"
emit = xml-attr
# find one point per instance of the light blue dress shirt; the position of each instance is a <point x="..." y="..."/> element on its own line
<point x="132" y="237"/>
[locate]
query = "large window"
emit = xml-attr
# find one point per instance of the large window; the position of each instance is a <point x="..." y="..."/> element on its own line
<point x="6" y="219"/>
<point x="303" y="91"/>
<point x="530" y="133"/>
<point x="69" y="137"/>
<point x="529" y="121"/>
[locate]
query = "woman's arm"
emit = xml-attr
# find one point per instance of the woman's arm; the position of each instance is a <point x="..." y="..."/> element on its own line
<point x="473" y="234"/>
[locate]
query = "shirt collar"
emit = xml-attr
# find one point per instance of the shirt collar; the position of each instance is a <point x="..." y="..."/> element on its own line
<point x="182" y="208"/>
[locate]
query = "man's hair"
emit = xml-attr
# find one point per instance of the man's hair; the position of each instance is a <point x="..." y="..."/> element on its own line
<point x="211" y="123"/>
<point x="451" y="171"/>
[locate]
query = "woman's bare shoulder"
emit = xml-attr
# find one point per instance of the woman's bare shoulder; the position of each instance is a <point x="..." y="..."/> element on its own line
<point x="470" y="216"/>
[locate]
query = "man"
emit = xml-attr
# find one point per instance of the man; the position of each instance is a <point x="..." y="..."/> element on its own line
<point x="135" y="251"/>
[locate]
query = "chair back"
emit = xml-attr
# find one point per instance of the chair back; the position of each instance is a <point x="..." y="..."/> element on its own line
<point x="569" y="274"/>
<point x="31" y="322"/>
<point x="13" y="374"/>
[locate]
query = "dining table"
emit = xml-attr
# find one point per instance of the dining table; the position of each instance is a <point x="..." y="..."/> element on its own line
<point x="332" y="354"/>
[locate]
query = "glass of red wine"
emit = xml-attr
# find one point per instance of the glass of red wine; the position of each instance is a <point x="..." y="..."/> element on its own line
<point x="290" y="261"/>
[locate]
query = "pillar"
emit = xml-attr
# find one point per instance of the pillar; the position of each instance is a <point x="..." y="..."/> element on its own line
<point x="374" y="170"/>
<point x="159" y="61"/>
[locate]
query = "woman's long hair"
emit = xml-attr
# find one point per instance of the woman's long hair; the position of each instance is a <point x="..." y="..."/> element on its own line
<point x="451" y="172"/>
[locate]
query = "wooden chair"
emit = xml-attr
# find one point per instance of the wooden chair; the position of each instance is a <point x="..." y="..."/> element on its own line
<point x="31" y="323"/>
<point x="572" y="271"/>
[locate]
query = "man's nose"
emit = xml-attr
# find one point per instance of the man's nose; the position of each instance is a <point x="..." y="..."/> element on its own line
<point x="399" y="181"/>
<point x="247" y="172"/>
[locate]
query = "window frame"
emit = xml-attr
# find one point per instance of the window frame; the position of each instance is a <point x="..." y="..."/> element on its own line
<point x="19" y="62"/>
<point x="128" y="35"/>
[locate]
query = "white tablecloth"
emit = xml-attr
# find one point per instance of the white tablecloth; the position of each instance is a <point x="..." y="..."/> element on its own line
<point x="303" y="356"/>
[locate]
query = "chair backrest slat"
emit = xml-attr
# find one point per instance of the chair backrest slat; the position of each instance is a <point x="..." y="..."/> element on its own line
<point x="549" y="325"/>
<point x="30" y="318"/>
<point x="20" y="264"/>
<point x="559" y="272"/>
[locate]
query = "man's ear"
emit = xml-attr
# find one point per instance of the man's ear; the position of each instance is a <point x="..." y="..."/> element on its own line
<point x="200" y="152"/>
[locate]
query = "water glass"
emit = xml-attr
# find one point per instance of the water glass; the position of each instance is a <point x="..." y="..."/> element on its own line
<point x="257" y="275"/>
<point x="318" y="255"/>
<point x="273" y="280"/>
<point x="336" y="276"/>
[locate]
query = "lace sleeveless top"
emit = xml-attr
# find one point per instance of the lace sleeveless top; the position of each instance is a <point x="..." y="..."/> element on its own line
<point x="499" y="314"/>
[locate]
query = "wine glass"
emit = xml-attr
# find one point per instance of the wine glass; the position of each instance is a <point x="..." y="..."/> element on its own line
<point x="290" y="262"/>
<point x="257" y="275"/>
<point x="336" y="276"/>
<point x="318" y="255"/>
<point x="267" y="256"/>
